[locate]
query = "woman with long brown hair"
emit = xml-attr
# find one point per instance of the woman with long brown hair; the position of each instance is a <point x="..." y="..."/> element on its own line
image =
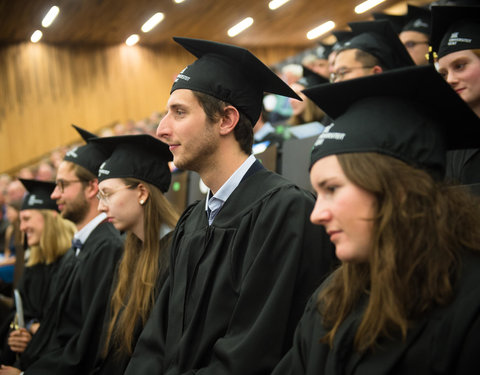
<point x="132" y="183"/>
<point x="406" y="297"/>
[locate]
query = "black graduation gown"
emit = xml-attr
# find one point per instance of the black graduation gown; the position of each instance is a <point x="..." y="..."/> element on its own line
<point x="463" y="166"/>
<point x="114" y="362"/>
<point x="446" y="341"/>
<point x="236" y="288"/>
<point x="35" y="288"/>
<point x="67" y="341"/>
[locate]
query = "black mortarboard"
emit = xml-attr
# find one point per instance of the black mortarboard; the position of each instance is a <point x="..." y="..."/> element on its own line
<point x="455" y="28"/>
<point x="323" y="50"/>
<point x="396" y="113"/>
<point x="310" y="78"/>
<point x="231" y="74"/>
<point x="397" y="21"/>
<point x="418" y="19"/>
<point x="342" y="37"/>
<point x="89" y="156"/>
<point x="38" y="196"/>
<point x="379" y="39"/>
<point x="138" y="156"/>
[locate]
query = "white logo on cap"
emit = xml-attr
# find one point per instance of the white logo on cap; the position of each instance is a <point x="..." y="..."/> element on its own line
<point x="454" y="39"/>
<point x="420" y="23"/>
<point x="32" y="200"/>
<point x="182" y="76"/>
<point x="72" y="153"/>
<point x="327" y="135"/>
<point x="102" y="170"/>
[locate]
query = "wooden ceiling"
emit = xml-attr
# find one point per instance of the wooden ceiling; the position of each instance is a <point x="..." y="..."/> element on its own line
<point x="106" y="22"/>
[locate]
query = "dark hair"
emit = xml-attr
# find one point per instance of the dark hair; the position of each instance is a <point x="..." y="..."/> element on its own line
<point x="367" y="59"/>
<point x="214" y="108"/>
<point x="419" y="230"/>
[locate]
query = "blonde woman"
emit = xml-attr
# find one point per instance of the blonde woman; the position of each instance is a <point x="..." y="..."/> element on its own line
<point x="48" y="238"/>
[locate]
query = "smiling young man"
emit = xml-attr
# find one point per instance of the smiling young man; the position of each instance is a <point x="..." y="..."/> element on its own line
<point x="244" y="259"/>
<point x="67" y="340"/>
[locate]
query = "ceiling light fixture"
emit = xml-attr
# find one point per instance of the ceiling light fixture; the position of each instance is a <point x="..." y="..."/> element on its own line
<point x="320" y="30"/>
<point x="239" y="27"/>
<point x="152" y="22"/>
<point x="179" y="1"/>
<point x="132" y="40"/>
<point x="50" y="16"/>
<point x="274" y="4"/>
<point x="367" y="5"/>
<point x="36" y="36"/>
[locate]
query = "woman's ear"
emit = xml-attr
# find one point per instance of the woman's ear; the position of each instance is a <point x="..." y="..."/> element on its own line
<point x="143" y="193"/>
<point x="229" y="120"/>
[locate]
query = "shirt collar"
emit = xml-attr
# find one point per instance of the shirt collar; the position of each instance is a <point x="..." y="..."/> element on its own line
<point x="83" y="233"/>
<point x="231" y="184"/>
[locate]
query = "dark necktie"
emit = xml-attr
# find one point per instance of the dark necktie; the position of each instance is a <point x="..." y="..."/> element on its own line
<point x="77" y="245"/>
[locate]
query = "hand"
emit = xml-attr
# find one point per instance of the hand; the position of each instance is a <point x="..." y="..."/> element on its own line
<point x="7" y="370"/>
<point x="34" y="328"/>
<point x="18" y="340"/>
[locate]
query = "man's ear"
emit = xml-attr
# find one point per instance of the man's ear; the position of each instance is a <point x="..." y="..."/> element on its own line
<point x="91" y="189"/>
<point x="377" y="69"/>
<point x="229" y="120"/>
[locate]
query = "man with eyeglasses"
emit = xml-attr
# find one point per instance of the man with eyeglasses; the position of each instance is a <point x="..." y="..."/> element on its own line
<point x="373" y="49"/>
<point x="67" y="341"/>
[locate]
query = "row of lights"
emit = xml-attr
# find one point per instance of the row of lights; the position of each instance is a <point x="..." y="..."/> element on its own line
<point x="312" y="34"/>
<point x="233" y="31"/>
<point x="132" y="39"/>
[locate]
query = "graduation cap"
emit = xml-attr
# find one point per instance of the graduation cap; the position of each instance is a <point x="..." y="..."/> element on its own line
<point x="310" y="78"/>
<point x="418" y="19"/>
<point x="89" y="156"/>
<point x="396" y="113"/>
<point x="38" y="196"/>
<point x="397" y="21"/>
<point x="455" y="28"/>
<point x="138" y="156"/>
<point x="342" y="37"/>
<point x="231" y="74"/>
<point x="323" y="50"/>
<point x="379" y="39"/>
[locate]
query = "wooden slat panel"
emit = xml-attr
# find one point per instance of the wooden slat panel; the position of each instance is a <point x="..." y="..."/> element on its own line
<point x="47" y="88"/>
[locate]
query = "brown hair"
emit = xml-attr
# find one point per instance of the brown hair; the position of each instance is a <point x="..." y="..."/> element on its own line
<point x="419" y="228"/>
<point x="214" y="109"/>
<point x="134" y="293"/>
<point x="55" y="240"/>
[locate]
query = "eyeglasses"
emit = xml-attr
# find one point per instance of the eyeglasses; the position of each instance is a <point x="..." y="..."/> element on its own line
<point x="104" y="198"/>
<point x="62" y="184"/>
<point x="411" y="43"/>
<point x="342" y="72"/>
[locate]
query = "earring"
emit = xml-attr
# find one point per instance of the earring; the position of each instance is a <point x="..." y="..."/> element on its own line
<point x="141" y="202"/>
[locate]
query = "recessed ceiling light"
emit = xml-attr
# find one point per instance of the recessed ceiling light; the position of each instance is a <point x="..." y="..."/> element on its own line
<point x="239" y="27"/>
<point x="132" y="39"/>
<point x="178" y="1"/>
<point x="274" y="4"/>
<point x="50" y="16"/>
<point x="367" y="5"/>
<point x="152" y="22"/>
<point x="320" y="30"/>
<point x="36" y="36"/>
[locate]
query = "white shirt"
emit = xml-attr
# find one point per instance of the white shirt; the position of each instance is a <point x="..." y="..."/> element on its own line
<point x="216" y="202"/>
<point x="83" y="233"/>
